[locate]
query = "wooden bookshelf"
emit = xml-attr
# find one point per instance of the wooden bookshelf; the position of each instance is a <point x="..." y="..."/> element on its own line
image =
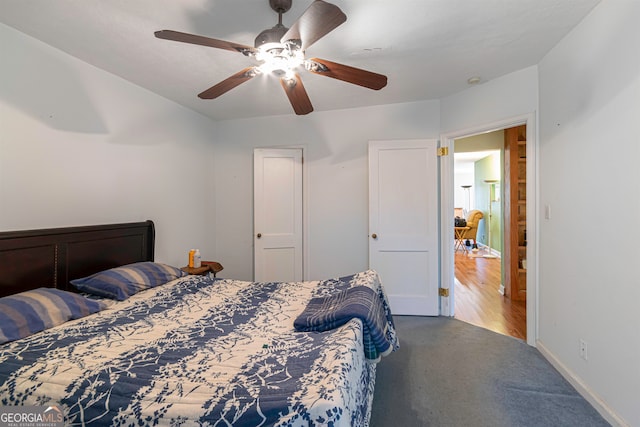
<point x="515" y="212"/>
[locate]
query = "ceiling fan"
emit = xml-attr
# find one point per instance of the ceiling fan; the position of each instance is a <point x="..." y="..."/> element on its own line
<point x="280" y="50"/>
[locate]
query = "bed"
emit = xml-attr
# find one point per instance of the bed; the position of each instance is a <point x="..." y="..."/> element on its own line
<point x="188" y="350"/>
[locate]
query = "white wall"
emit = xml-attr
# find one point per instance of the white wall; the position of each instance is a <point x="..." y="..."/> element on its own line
<point x="464" y="198"/>
<point x="589" y="175"/>
<point x="79" y="146"/>
<point x="336" y="180"/>
<point x="509" y="96"/>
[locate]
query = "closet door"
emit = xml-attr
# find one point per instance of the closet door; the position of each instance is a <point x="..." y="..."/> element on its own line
<point x="403" y="223"/>
<point x="277" y="215"/>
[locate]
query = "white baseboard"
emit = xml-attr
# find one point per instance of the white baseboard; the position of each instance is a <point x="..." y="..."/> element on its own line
<point x="607" y="413"/>
<point x="501" y="289"/>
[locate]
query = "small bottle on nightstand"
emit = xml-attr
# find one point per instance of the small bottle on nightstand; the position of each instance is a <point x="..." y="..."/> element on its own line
<point x="197" y="259"/>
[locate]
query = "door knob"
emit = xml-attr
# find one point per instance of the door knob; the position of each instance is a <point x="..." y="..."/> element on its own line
<point x="259" y="235"/>
<point x="374" y="236"/>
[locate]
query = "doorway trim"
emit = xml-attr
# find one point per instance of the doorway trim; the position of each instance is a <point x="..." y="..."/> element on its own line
<point x="447" y="304"/>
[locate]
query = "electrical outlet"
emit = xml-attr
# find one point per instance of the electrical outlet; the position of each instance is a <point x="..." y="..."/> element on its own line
<point x="583" y="349"/>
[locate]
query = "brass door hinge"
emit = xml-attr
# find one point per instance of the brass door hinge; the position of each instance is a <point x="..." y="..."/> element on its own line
<point x="443" y="151"/>
<point x="443" y="292"/>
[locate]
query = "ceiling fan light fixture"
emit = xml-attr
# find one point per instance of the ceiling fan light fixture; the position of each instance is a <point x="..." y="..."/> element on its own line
<point x="279" y="58"/>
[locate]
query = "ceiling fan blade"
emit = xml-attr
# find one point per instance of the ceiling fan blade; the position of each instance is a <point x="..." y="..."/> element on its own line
<point x="229" y="83"/>
<point x="297" y="95"/>
<point x="316" y="22"/>
<point x="346" y="73"/>
<point x="204" y="41"/>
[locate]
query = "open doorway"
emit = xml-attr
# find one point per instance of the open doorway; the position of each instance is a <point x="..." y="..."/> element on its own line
<point x="483" y="240"/>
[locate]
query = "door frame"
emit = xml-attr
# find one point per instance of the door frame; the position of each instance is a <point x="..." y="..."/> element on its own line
<point x="447" y="304"/>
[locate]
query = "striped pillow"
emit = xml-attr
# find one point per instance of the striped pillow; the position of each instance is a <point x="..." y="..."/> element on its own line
<point x="33" y="311"/>
<point x="121" y="282"/>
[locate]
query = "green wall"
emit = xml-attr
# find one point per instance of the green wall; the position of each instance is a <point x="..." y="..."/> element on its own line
<point x="489" y="168"/>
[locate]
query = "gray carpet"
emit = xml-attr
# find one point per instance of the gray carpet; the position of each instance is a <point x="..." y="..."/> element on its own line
<point x="450" y="373"/>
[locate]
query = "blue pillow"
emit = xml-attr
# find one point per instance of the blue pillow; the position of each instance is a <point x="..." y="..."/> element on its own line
<point x="33" y="311"/>
<point x="121" y="282"/>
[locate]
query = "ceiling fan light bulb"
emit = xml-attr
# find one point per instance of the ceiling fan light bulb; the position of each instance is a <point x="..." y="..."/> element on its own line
<point x="265" y="68"/>
<point x="279" y="58"/>
<point x="295" y="60"/>
<point x="290" y="76"/>
<point x="274" y="64"/>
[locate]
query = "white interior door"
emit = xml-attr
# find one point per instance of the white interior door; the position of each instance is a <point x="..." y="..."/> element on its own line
<point x="277" y="214"/>
<point x="403" y="223"/>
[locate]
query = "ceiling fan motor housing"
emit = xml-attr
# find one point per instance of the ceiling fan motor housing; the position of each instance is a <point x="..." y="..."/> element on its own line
<point x="271" y="35"/>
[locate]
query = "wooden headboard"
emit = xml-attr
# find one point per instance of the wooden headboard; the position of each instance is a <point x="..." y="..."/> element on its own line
<point x="52" y="257"/>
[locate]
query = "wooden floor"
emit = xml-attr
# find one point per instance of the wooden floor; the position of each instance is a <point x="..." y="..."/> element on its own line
<point x="477" y="300"/>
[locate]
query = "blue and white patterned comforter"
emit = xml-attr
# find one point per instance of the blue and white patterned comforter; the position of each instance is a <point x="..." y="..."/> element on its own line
<point x="200" y="351"/>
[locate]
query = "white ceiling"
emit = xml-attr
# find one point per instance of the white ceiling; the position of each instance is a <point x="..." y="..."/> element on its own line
<point x="465" y="162"/>
<point x="427" y="48"/>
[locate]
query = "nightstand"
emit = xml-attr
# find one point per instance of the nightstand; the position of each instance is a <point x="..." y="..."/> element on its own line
<point x="215" y="267"/>
<point x="207" y="266"/>
<point x="199" y="271"/>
